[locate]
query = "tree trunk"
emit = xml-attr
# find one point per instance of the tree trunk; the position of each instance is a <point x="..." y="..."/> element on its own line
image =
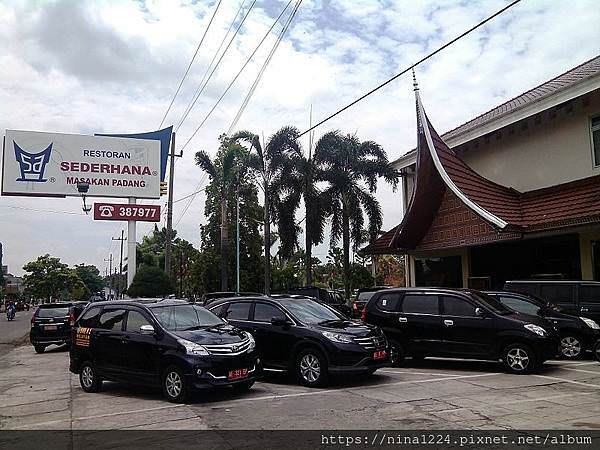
<point x="308" y="263"/>
<point x="267" y="217"/>
<point x="346" y="245"/>
<point x="224" y="245"/>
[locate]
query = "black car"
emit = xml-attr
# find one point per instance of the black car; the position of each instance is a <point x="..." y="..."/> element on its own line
<point x="51" y="323"/>
<point x="459" y="323"/>
<point x="169" y="343"/>
<point x="329" y="297"/>
<point x="580" y="298"/>
<point x="305" y="337"/>
<point x="577" y="334"/>
<point x="209" y="297"/>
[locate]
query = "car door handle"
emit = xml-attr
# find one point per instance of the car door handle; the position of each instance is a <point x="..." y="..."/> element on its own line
<point x="448" y="323"/>
<point x="402" y="319"/>
<point x="584" y="309"/>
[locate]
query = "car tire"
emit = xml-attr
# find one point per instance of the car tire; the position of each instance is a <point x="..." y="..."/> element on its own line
<point x="597" y="350"/>
<point x="311" y="368"/>
<point x="243" y="387"/>
<point x="39" y="348"/>
<point x="88" y="378"/>
<point x="396" y="354"/>
<point x="519" y="358"/>
<point x="174" y="386"/>
<point x="571" y="346"/>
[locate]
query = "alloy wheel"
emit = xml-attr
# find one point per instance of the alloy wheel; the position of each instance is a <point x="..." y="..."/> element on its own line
<point x="517" y="359"/>
<point x="87" y="377"/>
<point x="173" y="384"/>
<point x="570" y="347"/>
<point x="310" y="368"/>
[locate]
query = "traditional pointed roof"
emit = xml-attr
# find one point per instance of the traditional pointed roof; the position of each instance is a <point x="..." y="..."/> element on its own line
<point x="440" y="172"/>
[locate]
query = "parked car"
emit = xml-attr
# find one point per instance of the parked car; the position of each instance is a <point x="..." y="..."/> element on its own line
<point x="362" y="297"/>
<point x="305" y="337"/>
<point x="209" y="297"/>
<point x="51" y="324"/>
<point x="579" y="298"/>
<point x="456" y="323"/>
<point x="329" y="297"/>
<point x="169" y="343"/>
<point x="578" y="335"/>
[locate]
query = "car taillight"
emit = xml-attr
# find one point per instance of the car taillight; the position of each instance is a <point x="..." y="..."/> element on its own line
<point x="33" y="320"/>
<point x="363" y="314"/>
<point x="71" y="319"/>
<point x="355" y="306"/>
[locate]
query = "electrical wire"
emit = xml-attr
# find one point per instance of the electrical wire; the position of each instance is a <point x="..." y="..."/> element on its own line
<point x="420" y="61"/>
<point x="263" y="68"/>
<point x="236" y="76"/>
<point x="190" y="64"/>
<point x="191" y="199"/>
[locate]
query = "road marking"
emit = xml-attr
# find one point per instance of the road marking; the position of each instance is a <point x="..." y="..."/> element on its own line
<point x="564" y="380"/>
<point x="542" y="399"/>
<point x="418" y="373"/>
<point x="570" y="363"/>
<point x="595" y="372"/>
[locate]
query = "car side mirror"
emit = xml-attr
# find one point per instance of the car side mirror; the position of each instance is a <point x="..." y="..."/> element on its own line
<point x="147" y="329"/>
<point x="279" y="321"/>
<point x="479" y="312"/>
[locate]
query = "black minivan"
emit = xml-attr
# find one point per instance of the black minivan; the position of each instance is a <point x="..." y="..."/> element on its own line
<point x="460" y="323"/>
<point x="169" y="343"/>
<point x="305" y="337"/>
<point x="578" y="335"/>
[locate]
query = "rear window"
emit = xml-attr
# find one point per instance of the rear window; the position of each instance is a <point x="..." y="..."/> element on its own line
<point x="47" y="313"/>
<point x="588" y="293"/>
<point x="420" y="304"/>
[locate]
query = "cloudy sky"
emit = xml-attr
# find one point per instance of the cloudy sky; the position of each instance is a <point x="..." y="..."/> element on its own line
<point x="113" y="66"/>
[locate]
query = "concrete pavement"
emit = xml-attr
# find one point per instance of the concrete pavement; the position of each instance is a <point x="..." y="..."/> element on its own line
<point x="13" y="332"/>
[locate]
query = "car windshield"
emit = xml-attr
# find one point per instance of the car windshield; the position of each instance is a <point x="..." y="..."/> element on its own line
<point x="309" y="311"/>
<point x="185" y="317"/>
<point x="491" y="303"/>
<point x="47" y="313"/>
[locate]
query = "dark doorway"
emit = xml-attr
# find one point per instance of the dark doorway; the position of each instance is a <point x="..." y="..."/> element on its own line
<point x="545" y="258"/>
<point x="440" y="272"/>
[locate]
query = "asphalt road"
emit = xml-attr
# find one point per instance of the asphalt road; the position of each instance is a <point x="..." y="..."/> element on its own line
<point x="13" y="331"/>
<point x="38" y="392"/>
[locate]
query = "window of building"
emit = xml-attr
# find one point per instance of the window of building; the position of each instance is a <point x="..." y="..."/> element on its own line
<point x="595" y="125"/>
<point x="420" y="304"/>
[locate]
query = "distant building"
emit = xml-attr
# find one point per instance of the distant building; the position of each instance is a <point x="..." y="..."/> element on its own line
<point x="512" y="194"/>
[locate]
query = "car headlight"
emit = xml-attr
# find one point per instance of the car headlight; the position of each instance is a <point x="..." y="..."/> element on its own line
<point x="337" y="337"/>
<point x="536" y="329"/>
<point x="191" y="348"/>
<point x="590" y="323"/>
<point x="252" y="345"/>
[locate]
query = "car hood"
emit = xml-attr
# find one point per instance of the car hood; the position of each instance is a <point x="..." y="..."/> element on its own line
<point x="526" y="318"/>
<point x="352" y="327"/>
<point x="224" y="334"/>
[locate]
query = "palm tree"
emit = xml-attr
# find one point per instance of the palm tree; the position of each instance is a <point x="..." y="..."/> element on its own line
<point x="299" y="175"/>
<point x="267" y="164"/>
<point x="351" y="168"/>
<point x="223" y="172"/>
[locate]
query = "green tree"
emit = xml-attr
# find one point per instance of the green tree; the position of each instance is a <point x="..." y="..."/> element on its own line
<point x="150" y="281"/>
<point x="224" y="172"/>
<point x="47" y="278"/>
<point x="352" y="168"/>
<point x="267" y="163"/>
<point x="90" y="276"/>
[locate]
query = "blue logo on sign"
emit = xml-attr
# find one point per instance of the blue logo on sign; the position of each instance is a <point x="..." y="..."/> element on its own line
<point x="32" y="165"/>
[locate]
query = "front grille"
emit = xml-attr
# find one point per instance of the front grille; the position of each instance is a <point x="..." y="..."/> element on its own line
<point x="371" y="342"/>
<point x="228" y="349"/>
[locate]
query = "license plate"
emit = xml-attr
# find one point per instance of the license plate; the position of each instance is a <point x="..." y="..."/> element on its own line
<point x="50" y="327"/>
<point x="381" y="354"/>
<point x="237" y="374"/>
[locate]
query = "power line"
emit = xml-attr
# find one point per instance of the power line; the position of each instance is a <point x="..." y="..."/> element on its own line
<point x="425" y="58"/>
<point x="263" y="68"/>
<point x="215" y="67"/>
<point x="237" y="75"/>
<point x="190" y="64"/>
<point x="190" y="201"/>
<point x="189" y="195"/>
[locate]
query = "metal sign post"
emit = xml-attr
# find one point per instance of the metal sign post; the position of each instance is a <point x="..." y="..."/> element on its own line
<point x="131" y="247"/>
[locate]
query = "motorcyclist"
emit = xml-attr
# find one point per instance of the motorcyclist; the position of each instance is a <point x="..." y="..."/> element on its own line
<point x="10" y="311"/>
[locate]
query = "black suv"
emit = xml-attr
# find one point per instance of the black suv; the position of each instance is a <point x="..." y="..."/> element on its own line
<point x="51" y="324"/>
<point x="577" y="334"/>
<point x="169" y="343"/>
<point x="460" y="323"/>
<point x="306" y="337"/>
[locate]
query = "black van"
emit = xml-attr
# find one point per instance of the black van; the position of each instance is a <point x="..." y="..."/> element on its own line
<point x="580" y="298"/>
<point x="51" y="324"/>
<point x="169" y="343"/>
<point x="460" y="323"/>
<point x="578" y="335"/>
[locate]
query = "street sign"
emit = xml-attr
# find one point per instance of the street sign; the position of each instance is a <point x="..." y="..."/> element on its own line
<point x="124" y="211"/>
<point x="52" y="164"/>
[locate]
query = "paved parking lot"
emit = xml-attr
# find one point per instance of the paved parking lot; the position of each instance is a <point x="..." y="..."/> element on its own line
<point x="38" y="392"/>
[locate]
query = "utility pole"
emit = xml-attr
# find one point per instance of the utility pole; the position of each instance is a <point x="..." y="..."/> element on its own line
<point x="109" y="260"/>
<point x="169" y="236"/>
<point x="237" y="237"/>
<point x="122" y="239"/>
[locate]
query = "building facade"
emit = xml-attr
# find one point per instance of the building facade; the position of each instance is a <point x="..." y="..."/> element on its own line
<point x="511" y="194"/>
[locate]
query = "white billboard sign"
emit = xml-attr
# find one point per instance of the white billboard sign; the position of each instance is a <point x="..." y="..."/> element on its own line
<point x="52" y="164"/>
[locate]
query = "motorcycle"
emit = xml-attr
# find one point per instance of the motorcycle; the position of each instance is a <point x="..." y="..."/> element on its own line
<point x="10" y="313"/>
